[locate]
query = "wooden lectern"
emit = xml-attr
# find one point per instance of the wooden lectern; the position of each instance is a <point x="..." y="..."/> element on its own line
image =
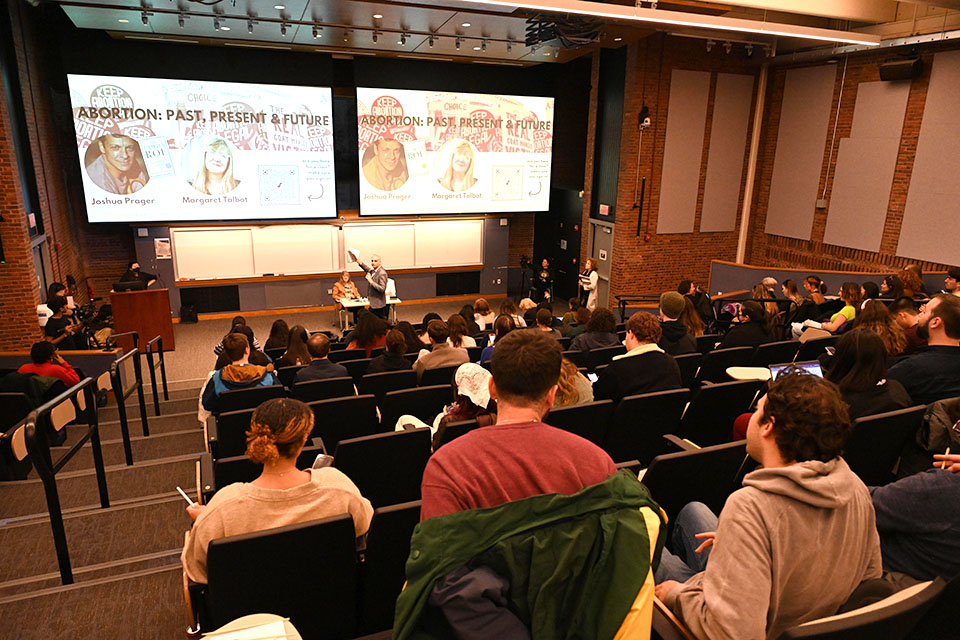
<point x="147" y="313"/>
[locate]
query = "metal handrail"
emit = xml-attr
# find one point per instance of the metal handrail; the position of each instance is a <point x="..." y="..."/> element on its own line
<point x="38" y="446"/>
<point x="624" y="298"/>
<point x="153" y="372"/>
<point x="121" y="393"/>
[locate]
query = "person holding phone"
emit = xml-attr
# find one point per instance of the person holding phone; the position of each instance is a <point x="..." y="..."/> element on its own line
<point x="47" y="362"/>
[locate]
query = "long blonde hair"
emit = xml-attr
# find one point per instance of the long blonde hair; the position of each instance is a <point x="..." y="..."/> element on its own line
<point x="227" y="183"/>
<point x="468" y="179"/>
<point x="567" y="394"/>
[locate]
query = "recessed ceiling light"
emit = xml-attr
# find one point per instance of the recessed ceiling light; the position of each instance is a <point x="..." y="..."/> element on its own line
<point x="377" y="16"/>
<point x="123" y="20"/>
<point x="465" y="25"/>
<point x="617" y="39"/>
<point x="222" y="28"/>
<point x="279" y="7"/>
<point x="546" y="53"/>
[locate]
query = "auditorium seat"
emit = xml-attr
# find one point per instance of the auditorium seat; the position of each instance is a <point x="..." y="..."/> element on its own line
<point x="380" y="383"/>
<point x="577" y="357"/>
<point x="454" y="430"/>
<point x="707" y="342"/>
<point x="709" y="418"/>
<point x="564" y="342"/>
<point x="376" y="351"/>
<point x="603" y="355"/>
<point x="324" y="389"/>
<point x="813" y="349"/>
<point x="715" y="364"/>
<point x="357" y="368"/>
<point x="639" y="423"/>
<point x="383" y="565"/>
<point x="237" y="399"/>
<point x="227" y="433"/>
<point x="689" y="364"/>
<point x="347" y="354"/>
<point x="278" y="571"/>
<point x="875" y="445"/>
<point x="422" y="402"/>
<point x="216" y="474"/>
<point x="440" y="375"/>
<point x="473" y="354"/>
<point x="588" y="420"/>
<point x="342" y="418"/>
<point x="386" y="467"/>
<point x="273" y="354"/>
<point x="14" y="407"/>
<point x="286" y="375"/>
<point x="774" y="353"/>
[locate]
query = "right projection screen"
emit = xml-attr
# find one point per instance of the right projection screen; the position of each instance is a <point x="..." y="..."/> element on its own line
<point x="933" y="199"/>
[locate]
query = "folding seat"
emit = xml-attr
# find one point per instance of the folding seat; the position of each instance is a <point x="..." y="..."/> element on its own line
<point x="237" y="399"/>
<point x="715" y="364"/>
<point x="440" y="375"/>
<point x="877" y="441"/>
<point x="709" y="418"/>
<point x="422" y="402"/>
<point x="639" y="423"/>
<point x="386" y="467"/>
<point x="775" y="352"/>
<point x="380" y="383"/>
<point x="324" y="389"/>
<point x="588" y="420"/>
<point x="342" y="418"/>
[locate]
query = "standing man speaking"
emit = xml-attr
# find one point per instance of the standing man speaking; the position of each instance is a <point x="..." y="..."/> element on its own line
<point x="377" y="279"/>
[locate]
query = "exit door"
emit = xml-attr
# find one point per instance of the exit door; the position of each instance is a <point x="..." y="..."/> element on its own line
<point x="601" y="248"/>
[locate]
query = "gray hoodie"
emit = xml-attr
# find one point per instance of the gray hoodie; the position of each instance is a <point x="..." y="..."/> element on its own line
<point x="791" y="547"/>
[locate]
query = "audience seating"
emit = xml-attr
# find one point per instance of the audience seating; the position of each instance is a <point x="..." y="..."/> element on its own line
<point x="216" y="474"/>
<point x="286" y="375"/>
<point x="377" y="351"/>
<point x="412" y="357"/>
<point x="357" y="368"/>
<point x="564" y="342"/>
<point x="440" y="375"/>
<point x="603" y="355"/>
<point x="278" y="571"/>
<point x="715" y="364"/>
<point x="709" y="418"/>
<point x="380" y="383"/>
<point x="382" y="569"/>
<point x="640" y="422"/>
<point x="774" y="352"/>
<point x="324" y="389"/>
<point x="227" y="433"/>
<point x="482" y="339"/>
<point x="942" y="615"/>
<point x="273" y="354"/>
<point x="422" y="402"/>
<point x="334" y="346"/>
<point x="813" y="349"/>
<point x="456" y="429"/>
<point x="237" y="399"/>
<point x="14" y="407"/>
<point x="347" y="354"/>
<point x="877" y="441"/>
<point x="342" y="418"/>
<point x="588" y="420"/>
<point x="707" y="342"/>
<point x="386" y="467"/>
<point x="473" y="354"/>
<point x="689" y="364"/>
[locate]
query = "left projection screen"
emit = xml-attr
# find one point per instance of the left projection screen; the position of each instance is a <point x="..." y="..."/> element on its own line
<point x="157" y="150"/>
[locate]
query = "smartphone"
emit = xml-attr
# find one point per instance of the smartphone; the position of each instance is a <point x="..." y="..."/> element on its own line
<point x="592" y="377"/>
<point x="493" y="338"/>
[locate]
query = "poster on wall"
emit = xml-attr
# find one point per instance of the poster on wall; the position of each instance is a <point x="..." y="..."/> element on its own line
<point x="155" y="149"/>
<point x="444" y="152"/>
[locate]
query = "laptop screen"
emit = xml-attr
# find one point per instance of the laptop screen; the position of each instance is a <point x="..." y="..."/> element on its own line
<point x="812" y="367"/>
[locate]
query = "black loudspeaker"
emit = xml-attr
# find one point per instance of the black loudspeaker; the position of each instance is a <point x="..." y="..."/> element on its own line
<point x="901" y="69"/>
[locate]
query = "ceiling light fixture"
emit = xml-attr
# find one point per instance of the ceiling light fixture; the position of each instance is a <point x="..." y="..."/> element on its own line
<point x="457" y="44"/>
<point x="617" y="39"/>
<point x="684" y="19"/>
<point x="546" y="53"/>
<point x="509" y="46"/>
<point x="143" y="18"/>
<point x="216" y="23"/>
<point x="250" y="27"/>
<point x="316" y="33"/>
<point x="430" y="42"/>
<point x="283" y="28"/>
<point x="403" y="40"/>
<point x="376" y="36"/>
<point x="279" y="7"/>
<point x="476" y="48"/>
<point x="483" y="46"/>
<point x="749" y="49"/>
<point x="378" y="16"/>
<point x="123" y="20"/>
<point x="465" y="25"/>
<point x="709" y="45"/>
<point x="224" y="28"/>
<point x="180" y="20"/>
<point x="727" y="47"/>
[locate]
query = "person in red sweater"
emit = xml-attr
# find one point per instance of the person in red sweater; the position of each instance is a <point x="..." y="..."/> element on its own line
<point x="519" y="456"/>
<point x="47" y="362"/>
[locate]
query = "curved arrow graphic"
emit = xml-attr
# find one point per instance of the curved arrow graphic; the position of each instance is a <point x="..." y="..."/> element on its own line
<point x="539" y="189"/>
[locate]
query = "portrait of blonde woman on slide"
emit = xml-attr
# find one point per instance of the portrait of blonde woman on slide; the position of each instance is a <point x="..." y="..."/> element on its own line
<point x="458" y="170"/>
<point x="215" y="174"/>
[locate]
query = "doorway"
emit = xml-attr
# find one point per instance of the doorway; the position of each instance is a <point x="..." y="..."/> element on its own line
<point x="601" y="248"/>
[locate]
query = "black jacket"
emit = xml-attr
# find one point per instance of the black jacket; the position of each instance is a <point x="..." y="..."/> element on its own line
<point x="594" y="340"/>
<point x="676" y="340"/>
<point x="389" y="362"/>
<point x="320" y="370"/>
<point x="643" y="373"/>
<point x="745" y="334"/>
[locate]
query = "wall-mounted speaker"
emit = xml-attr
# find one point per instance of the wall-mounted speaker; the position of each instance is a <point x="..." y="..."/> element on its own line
<point x="901" y="69"/>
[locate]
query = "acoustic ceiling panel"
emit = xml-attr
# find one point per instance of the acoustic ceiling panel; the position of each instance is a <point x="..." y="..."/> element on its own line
<point x="801" y="138"/>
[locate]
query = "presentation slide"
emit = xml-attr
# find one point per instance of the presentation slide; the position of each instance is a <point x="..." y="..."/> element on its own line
<point x="442" y="152"/>
<point x="181" y="150"/>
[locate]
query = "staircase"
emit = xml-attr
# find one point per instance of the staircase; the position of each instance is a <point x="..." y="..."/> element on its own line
<point x="125" y="559"/>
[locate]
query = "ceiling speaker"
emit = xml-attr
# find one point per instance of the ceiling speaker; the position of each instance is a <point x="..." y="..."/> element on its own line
<point x="901" y="69"/>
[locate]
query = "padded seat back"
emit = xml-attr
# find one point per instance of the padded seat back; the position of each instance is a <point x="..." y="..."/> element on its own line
<point x="813" y="349"/>
<point x="386" y="467"/>
<point x="422" y="402"/>
<point x="324" y="389"/>
<point x="588" y="420"/>
<point x="440" y="375"/>
<point x="275" y="353"/>
<point x="232" y="430"/>
<point x="640" y="422"/>
<point x="243" y="469"/>
<point x="715" y="364"/>
<point x="342" y="418"/>
<point x="689" y="363"/>
<point x="603" y="355"/>
<point x="286" y="375"/>
<point x="877" y="441"/>
<point x="237" y="399"/>
<point x="707" y="342"/>
<point x="775" y="352"/>
<point x="380" y="383"/>
<point x="347" y="354"/>
<point x="456" y="429"/>
<point x="306" y="572"/>
<point x="709" y="418"/>
<point x="357" y="368"/>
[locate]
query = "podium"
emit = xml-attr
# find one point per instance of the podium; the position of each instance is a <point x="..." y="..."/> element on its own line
<point x="146" y="312"/>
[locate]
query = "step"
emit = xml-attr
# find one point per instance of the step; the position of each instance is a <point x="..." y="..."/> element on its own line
<point x="175" y="394"/>
<point x="77" y="490"/>
<point x="111" y="412"/>
<point x="156" y="446"/>
<point x="94" y="537"/>
<point x="145" y="604"/>
<point x="126" y="566"/>
<point x="110" y="430"/>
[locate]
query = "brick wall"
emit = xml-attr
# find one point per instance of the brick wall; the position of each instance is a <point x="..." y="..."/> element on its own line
<point x="521" y="238"/>
<point x="652" y="266"/>
<point x="765" y="249"/>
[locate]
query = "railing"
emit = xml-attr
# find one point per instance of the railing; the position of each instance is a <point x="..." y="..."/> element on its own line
<point x="625" y="298"/>
<point x="56" y="413"/>
<point x="121" y="394"/>
<point x="158" y="341"/>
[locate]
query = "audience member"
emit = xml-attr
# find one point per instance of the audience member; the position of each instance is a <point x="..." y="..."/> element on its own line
<point x="47" y="362"/>
<point x="570" y="317"/>
<point x="859" y="369"/>
<point x="544" y="321"/>
<point x="427" y="317"/>
<point x="770" y="284"/>
<point x="370" y="334"/>
<point x="573" y="387"/>
<point x="869" y="290"/>
<point x="467" y="313"/>
<point x="850" y="295"/>
<point x="791" y="293"/>
<point x="473" y="402"/>
<point x="529" y="310"/>
<point x="644" y="368"/>
<point x="217" y="350"/>
<point x="320" y="367"/>
<point x="510" y="309"/>
<point x="457" y="327"/>
<point x="770" y="309"/>
<point x="60" y="330"/>
<point x="912" y="283"/>
<point x="676" y="340"/>
<point x="410" y="337"/>
<point x="392" y="358"/>
<point x="933" y="372"/>
<point x="279" y="335"/>
<point x="442" y="354"/>
<point x="239" y="374"/>
<point x="503" y="325"/>
<point x="951" y="284"/>
<point x="891" y="287"/>
<point x="56" y="289"/>
<point x="257" y="357"/>
<point x="281" y="495"/>
<point x="297" y="353"/>
<point x="814" y="288"/>
<point x="582" y="320"/>
<point x="906" y="314"/>
<point x="599" y="333"/>
<point x="483" y="315"/>
<point x="918" y="518"/>
<point x="801" y="308"/>
<point x="794" y="542"/>
<point x="749" y="329"/>
<point x="701" y="301"/>
<point x="875" y="318"/>
<point x="691" y="319"/>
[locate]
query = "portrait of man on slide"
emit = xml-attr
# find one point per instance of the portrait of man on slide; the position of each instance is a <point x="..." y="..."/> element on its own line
<point x="385" y="164"/>
<point x="118" y="164"/>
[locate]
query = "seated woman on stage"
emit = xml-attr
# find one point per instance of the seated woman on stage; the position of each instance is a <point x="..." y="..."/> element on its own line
<point x="281" y="495"/>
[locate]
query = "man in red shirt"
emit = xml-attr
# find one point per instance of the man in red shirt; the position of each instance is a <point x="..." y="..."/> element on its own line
<point x="519" y="456"/>
<point x="47" y="362"/>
